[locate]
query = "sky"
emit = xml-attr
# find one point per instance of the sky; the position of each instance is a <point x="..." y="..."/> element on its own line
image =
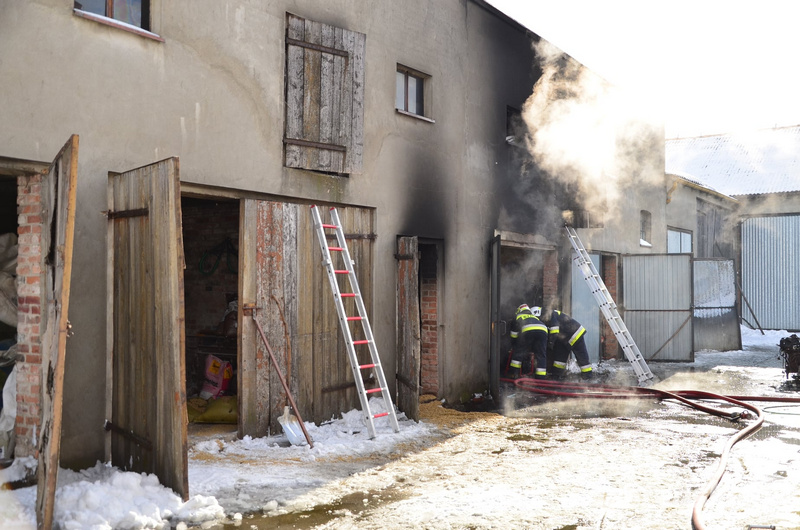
<point x="442" y="480"/>
<point x="706" y="66"/>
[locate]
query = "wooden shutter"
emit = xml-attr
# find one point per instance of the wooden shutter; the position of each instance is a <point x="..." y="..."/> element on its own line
<point x="58" y="207"/>
<point x="148" y="417"/>
<point x="408" y="327"/>
<point x="324" y="97"/>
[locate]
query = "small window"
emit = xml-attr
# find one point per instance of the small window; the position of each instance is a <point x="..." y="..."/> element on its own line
<point x="410" y="91"/>
<point x="679" y="241"/>
<point x="133" y="12"/>
<point x="515" y="127"/>
<point x="645" y="227"/>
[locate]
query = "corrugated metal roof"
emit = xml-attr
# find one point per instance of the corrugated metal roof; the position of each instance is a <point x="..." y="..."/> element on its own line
<point x="763" y="161"/>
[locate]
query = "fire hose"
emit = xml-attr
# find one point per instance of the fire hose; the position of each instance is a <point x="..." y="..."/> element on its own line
<point x="602" y="391"/>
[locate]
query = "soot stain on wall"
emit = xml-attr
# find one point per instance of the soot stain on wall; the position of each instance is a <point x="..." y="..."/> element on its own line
<point x="429" y="206"/>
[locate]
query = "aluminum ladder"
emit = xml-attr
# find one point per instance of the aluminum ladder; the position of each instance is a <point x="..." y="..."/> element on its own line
<point x="344" y="320"/>
<point x="609" y="308"/>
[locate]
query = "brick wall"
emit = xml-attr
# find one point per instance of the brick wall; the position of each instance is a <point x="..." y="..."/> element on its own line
<point x="429" y="323"/>
<point x="609" y="346"/>
<point x="30" y="287"/>
<point x="550" y="293"/>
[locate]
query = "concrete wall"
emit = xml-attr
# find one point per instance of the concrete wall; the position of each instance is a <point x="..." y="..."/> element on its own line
<point x="681" y="212"/>
<point x="769" y="204"/>
<point x="212" y="93"/>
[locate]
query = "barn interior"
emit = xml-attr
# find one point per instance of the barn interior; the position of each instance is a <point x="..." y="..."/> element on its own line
<point x="8" y="245"/>
<point x="211" y="280"/>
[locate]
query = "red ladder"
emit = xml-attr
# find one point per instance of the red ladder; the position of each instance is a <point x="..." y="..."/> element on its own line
<point x="345" y="320"/>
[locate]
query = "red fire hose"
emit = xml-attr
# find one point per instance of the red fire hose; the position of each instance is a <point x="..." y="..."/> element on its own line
<point x="602" y="391"/>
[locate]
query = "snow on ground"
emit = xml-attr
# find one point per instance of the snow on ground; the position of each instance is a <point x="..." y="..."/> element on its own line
<point x="545" y="464"/>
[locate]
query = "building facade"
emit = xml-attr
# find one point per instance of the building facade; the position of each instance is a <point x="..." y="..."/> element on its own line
<point x="205" y="134"/>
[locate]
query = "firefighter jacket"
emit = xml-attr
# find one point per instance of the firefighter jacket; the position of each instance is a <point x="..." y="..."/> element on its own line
<point x="526" y="322"/>
<point x="563" y="327"/>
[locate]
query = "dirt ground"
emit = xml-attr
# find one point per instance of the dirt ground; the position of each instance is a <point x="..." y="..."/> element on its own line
<point x="542" y="463"/>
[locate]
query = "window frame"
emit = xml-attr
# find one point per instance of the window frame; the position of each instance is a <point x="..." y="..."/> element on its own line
<point x="145" y="30"/>
<point x="424" y="80"/>
<point x="645" y="227"/>
<point x="682" y="232"/>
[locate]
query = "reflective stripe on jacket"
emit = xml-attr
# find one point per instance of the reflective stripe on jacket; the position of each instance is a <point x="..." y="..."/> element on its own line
<point x="565" y="327"/>
<point x="525" y="322"/>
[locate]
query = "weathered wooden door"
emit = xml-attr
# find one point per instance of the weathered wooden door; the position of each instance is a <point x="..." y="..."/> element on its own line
<point x="58" y="207"/>
<point x="408" y="326"/>
<point x="147" y="417"/>
<point x="282" y="276"/>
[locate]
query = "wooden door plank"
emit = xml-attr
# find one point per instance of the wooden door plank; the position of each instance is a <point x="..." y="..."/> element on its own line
<point x="295" y="29"/>
<point x="307" y="391"/>
<point x="248" y="335"/>
<point x="147" y="345"/>
<point x="58" y="197"/>
<point x="408" y="327"/>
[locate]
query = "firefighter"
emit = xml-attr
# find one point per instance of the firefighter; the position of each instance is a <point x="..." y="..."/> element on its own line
<point x="530" y="340"/>
<point x="565" y="336"/>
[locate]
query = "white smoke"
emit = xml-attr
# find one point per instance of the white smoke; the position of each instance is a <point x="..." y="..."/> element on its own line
<point x="585" y="132"/>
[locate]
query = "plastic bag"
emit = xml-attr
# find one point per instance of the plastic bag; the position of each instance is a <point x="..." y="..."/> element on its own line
<point x="218" y="376"/>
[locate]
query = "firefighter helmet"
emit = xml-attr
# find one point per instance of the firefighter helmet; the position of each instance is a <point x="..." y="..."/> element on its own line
<point x="522" y="307"/>
<point x="536" y="310"/>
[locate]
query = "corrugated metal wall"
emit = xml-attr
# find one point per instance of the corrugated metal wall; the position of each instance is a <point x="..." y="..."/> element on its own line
<point x="657" y="291"/>
<point x="716" y="321"/>
<point x="771" y="271"/>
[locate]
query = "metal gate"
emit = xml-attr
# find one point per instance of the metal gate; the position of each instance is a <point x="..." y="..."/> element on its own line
<point x="771" y="270"/>
<point x="716" y="321"/>
<point x="657" y="290"/>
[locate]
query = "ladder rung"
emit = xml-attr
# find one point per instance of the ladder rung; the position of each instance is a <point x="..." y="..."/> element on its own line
<point x="347" y="295"/>
<point x="338" y="249"/>
<point x="381" y="415"/>
<point x="329" y="226"/>
<point x="340" y="271"/>
<point x="374" y="390"/>
<point x="357" y="342"/>
<point x="350" y="319"/>
<point x="367" y="366"/>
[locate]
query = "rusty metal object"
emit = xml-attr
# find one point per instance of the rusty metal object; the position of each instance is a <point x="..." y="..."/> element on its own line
<point x="251" y="308"/>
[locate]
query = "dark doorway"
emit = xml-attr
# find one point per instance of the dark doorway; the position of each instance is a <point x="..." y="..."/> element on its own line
<point x="8" y="298"/>
<point x="211" y="279"/>
<point x="8" y="245"/>
<point x="430" y="313"/>
<point x="528" y="276"/>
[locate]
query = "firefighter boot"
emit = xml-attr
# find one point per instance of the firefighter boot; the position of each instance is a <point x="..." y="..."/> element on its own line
<point x="557" y="374"/>
<point x="587" y="375"/>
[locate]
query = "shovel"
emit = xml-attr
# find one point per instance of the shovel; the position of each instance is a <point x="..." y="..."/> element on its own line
<point x="291" y="426"/>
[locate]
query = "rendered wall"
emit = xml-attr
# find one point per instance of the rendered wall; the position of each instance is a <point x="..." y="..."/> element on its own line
<point x="212" y="94"/>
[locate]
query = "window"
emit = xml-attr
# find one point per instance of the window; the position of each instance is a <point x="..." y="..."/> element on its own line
<point x="133" y="12"/>
<point x="679" y="241"/>
<point x="324" y="128"/>
<point x="410" y="91"/>
<point x="645" y="226"/>
<point x="581" y="218"/>
<point x="515" y="127"/>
